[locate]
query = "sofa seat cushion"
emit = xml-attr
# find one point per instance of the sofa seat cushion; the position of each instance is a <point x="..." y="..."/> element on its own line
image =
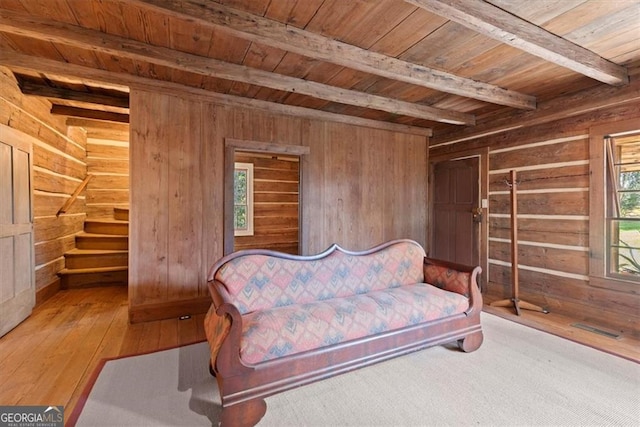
<point x="273" y="333"/>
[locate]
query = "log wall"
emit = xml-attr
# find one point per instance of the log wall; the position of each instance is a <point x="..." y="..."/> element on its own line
<point x="59" y="167"/>
<point x="552" y="162"/>
<point x="360" y="187"/>
<point x="108" y="162"/>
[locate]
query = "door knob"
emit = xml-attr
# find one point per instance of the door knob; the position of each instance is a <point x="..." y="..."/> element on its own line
<point x="477" y="214"/>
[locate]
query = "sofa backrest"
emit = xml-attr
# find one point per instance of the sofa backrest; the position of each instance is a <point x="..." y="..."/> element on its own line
<point x="258" y="281"/>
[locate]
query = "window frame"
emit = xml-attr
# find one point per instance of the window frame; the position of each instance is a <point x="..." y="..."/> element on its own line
<point x="248" y="167"/>
<point x="615" y="206"/>
<point x="598" y="218"/>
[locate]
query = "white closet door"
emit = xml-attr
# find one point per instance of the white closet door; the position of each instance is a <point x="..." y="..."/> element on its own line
<point x="17" y="281"/>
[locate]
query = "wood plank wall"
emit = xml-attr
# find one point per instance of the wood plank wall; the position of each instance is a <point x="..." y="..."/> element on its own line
<point x="59" y="167"/>
<point x="108" y="162"/>
<point x="552" y="163"/>
<point x="363" y="186"/>
<point x="360" y="187"/>
<point x="276" y="193"/>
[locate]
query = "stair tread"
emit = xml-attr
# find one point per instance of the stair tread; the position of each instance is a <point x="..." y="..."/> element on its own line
<point x="77" y="251"/>
<point x="107" y="236"/>
<point x="92" y="270"/>
<point x="107" y="221"/>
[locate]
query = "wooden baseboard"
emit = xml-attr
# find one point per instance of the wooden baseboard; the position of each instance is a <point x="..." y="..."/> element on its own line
<point x="169" y="310"/>
<point x="47" y="291"/>
<point x="580" y="311"/>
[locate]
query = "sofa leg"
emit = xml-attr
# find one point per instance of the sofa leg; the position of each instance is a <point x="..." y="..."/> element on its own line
<point x="243" y="414"/>
<point x="212" y="371"/>
<point x="471" y="342"/>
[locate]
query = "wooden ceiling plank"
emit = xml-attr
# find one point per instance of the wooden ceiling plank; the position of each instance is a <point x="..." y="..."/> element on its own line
<point x="276" y="34"/>
<point x="498" y="24"/>
<point x="583" y="15"/>
<point x="293" y="12"/>
<point x="610" y="26"/>
<point x="19" y="61"/>
<point x="30" y="88"/>
<point x="336" y="20"/>
<point x="114" y="45"/>
<point x="456" y="49"/>
<point x="538" y="13"/>
<point x="411" y="31"/>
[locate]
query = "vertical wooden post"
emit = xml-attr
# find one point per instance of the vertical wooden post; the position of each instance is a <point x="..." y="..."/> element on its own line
<point x="515" y="285"/>
<point x="514" y="241"/>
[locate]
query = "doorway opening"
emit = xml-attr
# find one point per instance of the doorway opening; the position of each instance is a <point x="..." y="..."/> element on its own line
<point x="262" y="201"/>
<point x="266" y="202"/>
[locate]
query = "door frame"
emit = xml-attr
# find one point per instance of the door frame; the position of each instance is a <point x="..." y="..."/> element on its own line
<point x="483" y="194"/>
<point x="230" y="147"/>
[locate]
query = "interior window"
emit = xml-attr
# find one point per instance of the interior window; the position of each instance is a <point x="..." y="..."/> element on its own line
<point x="623" y="205"/>
<point x="243" y="199"/>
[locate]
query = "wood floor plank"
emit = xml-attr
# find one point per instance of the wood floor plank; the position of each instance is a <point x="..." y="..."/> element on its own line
<point x="55" y="366"/>
<point x="109" y="347"/>
<point x="93" y="329"/>
<point x="50" y="358"/>
<point x="168" y="333"/>
<point x="38" y="356"/>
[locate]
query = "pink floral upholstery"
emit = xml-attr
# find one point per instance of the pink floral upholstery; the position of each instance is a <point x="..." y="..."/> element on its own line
<point x="270" y="334"/>
<point x="260" y="282"/>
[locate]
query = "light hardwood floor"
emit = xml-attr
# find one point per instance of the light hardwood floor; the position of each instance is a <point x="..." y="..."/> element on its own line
<point x="49" y="358"/>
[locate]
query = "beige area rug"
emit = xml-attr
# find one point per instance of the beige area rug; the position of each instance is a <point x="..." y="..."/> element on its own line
<point x="519" y="376"/>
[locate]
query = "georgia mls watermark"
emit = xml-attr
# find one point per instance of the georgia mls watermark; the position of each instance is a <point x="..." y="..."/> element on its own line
<point x="31" y="416"/>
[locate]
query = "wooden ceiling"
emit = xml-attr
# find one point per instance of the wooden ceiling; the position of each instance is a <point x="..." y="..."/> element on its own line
<point x="426" y="66"/>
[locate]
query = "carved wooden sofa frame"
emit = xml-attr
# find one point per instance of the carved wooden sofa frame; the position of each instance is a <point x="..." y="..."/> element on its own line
<point x="243" y="387"/>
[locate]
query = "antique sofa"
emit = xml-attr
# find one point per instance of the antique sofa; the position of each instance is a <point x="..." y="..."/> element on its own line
<point x="280" y="321"/>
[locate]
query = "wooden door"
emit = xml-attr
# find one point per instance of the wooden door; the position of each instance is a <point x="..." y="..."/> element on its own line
<point x="455" y="225"/>
<point x="17" y="284"/>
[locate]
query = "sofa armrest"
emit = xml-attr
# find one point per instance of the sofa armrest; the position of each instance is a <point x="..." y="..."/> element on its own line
<point x="452" y="277"/>
<point x="223" y="327"/>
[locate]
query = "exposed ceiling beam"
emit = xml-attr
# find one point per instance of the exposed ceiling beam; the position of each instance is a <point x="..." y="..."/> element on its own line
<point x="272" y="33"/>
<point x="501" y="25"/>
<point x="85" y="113"/>
<point x="30" y="88"/>
<point x="57" y="32"/>
<point x="598" y="98"/>
<point x="21" y="62"/>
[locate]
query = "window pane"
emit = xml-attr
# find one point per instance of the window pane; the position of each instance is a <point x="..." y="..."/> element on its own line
<point x="630" y="205"/>
<point x="630" y="180"/>
<point x="243" y="199"/>
<point x="240" y="187"/>
<point x="625" y="248"/>
<point x="240" y="217"/>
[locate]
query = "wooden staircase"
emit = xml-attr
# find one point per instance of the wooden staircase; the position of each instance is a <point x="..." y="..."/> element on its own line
<point x="101" y="256"/>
